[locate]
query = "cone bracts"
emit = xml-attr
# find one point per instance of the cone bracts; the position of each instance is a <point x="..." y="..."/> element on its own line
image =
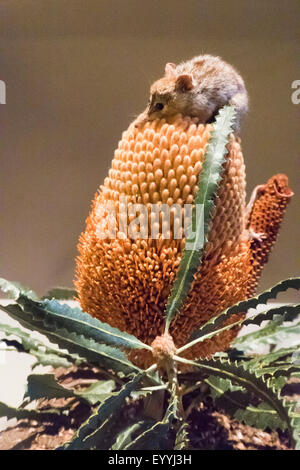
<point x="125" y="280"/>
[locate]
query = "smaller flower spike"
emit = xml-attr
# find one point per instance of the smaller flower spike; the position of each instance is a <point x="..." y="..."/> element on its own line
<point x="264" y="216"/>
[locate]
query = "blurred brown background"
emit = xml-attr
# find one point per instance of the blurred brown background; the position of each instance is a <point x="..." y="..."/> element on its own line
<point x="77" y="71"/>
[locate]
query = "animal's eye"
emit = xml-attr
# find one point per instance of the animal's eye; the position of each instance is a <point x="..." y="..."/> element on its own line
<point x="159" y="106"/>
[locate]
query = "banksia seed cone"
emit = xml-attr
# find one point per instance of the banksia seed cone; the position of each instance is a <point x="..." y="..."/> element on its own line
<point x="265" y="217"/>
<point x="125" y="281"/>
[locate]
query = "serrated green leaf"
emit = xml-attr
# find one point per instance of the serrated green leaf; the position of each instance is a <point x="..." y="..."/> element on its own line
<point x="219" y="386"/>
<point x="240" y="374"/>
<point x="279" y="370"/>
<point x="285" y="312"/>
<point x="44" y="354"/>
<point x="72" y="318"/>
<point x="26" y="340"/>
<point x="53" y="360"/>
<point x="156" y="437"/>
<point x="125" y="437"/>
<point x="98" y="391"/>
<point x="136" y="394"/>
<point x="82" y="323"/>
<point x="262" y="417"/>
<point x="58" y="315"/>
<point x="182" y="437"/>
<point x="272" y="334"/>
<point x="280" y="354"/>
<point x="46" y="386"/>
<point x="262" y="299"/>
<point x="278" y="365"/>
<point x="278" y="382"/>
<point x="235" y="401"/>
<point x="214" y="323"/>
<point x="90" y="350"/>
<point x="96" y="432"/>
<point x="22" y="413"/>
<point x="209" y="179"/>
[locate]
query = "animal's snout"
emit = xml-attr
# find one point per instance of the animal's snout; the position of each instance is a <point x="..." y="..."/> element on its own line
<point x="142" y="119"/>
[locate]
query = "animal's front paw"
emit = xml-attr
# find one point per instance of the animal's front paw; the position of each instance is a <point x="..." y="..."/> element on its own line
<point x="259" y="236"/>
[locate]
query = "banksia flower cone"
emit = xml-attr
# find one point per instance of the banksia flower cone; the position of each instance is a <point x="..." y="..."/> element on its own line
<point x="265" y="217"/>
<point x="125" y="281"/>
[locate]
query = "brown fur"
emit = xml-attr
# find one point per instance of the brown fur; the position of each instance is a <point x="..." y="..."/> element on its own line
<point x="197" y="88"/>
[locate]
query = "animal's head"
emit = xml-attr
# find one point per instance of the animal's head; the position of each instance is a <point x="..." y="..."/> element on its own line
<point x="169" y="95"/>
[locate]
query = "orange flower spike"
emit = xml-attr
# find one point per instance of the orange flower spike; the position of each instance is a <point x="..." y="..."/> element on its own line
<point x="126" y="281"/>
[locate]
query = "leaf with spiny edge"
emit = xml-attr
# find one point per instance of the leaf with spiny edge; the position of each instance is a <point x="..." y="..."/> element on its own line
<point x="27" y="341"/>
<point x="279" y="370"/>
<point x="262" y="417"/>
<point x="98" y="391"/>
<point x="45" y="386"/>
<point x="72" y="318"/>
<point x="76" y="320"/>
<point x="90" y="350"/>
<point x="156" y="437"/>
<point x="21" y="413"/>
<point x="272" y="334"/>
<point x="240" y="374"/>
<point x="209" y="180"/>
<point x="263" y="360"/>
<point x="283" y="286"/>
<point x="286" y="312"/>
<point x="245" y="305"/>
<point x="236" y="402"/>
<point x="53" y="360"/>
<point x="279" y="364"/>
<point x="44" y="354"/>
<point x="182" y="440"/>
<point x="233" y="402"/>
<point x="126" y="436"/>
<point x="291" y="354"/>
<point x="97" y="430"/>
<point x="219" y="386"/>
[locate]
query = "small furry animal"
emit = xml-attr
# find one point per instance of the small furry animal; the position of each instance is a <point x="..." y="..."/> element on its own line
<point x="196" y="88"/>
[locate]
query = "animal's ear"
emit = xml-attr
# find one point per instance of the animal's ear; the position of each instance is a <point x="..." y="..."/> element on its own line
<point x="170" y="69"/>
<point x="184" y="82"/>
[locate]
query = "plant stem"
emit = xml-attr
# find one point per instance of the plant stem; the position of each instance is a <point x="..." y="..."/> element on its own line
<point x="176" y="392"/>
